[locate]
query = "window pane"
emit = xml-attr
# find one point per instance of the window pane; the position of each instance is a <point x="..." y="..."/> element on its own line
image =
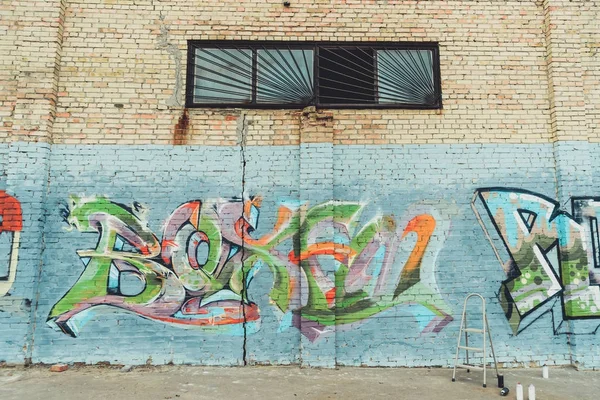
<point x="262" y="74"/>
<point x="223" y="76"/>
<point x="346" y="76"/>
<point x="285" y="76"/>
<point x="405" y="77"/>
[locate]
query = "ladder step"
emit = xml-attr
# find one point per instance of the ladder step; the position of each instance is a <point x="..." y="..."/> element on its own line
<point x="473" y="330"/>
<point x="476" y="367"/>
<point x="471" y="348"/>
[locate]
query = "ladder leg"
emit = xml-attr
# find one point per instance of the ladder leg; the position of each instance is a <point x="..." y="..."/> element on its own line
<point x="483" y="324"/>
<point x="467" y="341"/>
<point x="492" y="345"/>
<point x="462" y="321"/>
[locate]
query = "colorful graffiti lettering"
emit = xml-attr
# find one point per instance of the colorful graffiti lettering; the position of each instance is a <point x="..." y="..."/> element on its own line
<point x="548" y="252"/>
<point x="11" y="224"/>
<point x="199" y="273"/>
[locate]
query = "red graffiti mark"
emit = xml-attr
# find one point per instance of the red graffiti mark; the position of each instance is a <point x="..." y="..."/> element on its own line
<point x="194" y="242"/>
<point x="330" y="296"/>
<point x="186" y="213"/>
<point x="10" y="211"/>
<point x="340" y="252"/>
<point x="284" y="218"/>
<point x="221" y="312"/>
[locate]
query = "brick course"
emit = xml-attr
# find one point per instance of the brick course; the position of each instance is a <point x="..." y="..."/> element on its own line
<point x="92" y="104"/>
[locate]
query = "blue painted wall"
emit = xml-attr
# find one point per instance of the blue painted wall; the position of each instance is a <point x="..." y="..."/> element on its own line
<point x="397" y="181"/>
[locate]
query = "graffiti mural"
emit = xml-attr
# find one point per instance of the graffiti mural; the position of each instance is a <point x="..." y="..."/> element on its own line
<point x="546" y="253"/>
<point x="11" y="224"/>
<point x="327" y="269"/>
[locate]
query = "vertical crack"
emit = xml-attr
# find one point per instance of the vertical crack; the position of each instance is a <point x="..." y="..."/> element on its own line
<point x="163" y="43"/>
<point x="46" y="187"/>
<point x="38" y="279"/>
<point x="242" y="130"/>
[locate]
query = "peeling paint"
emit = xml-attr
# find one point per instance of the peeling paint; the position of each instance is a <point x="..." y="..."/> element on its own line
<point x="310" y="116"/>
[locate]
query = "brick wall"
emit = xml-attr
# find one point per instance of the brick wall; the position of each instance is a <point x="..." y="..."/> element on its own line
<point x="492" y="60"/>
<point x="92" y="109"/>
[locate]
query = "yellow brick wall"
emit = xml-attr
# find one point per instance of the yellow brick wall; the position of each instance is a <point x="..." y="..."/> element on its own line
<point x="30" y="39"/>
<point x="590" y="35"/>
<point x="118" y="69"/>
<point x="8" y="82"/>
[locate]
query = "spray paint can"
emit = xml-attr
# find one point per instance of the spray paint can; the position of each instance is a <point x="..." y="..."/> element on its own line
<point x="531" y="392"/>
<point x="545" y="371"/>
<point x="519" y="391"/>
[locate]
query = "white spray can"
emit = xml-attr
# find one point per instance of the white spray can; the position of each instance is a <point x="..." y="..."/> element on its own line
<point x="531" y="392"/>
<point x="519" y="391"/>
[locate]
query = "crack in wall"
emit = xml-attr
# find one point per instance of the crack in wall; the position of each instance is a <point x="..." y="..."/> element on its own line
<point x="547" y="7"/>
<point x="163" y="43"/>
<point x="45" y="212"/>
<point x="46" y="185"/>
<point x="242" y="131"/>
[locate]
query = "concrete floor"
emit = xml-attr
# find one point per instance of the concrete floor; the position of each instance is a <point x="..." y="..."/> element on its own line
<point x="183" y="382"/>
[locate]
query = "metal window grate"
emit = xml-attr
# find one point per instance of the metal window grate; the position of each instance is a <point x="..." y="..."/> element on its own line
<point x="284" y="76"/>
<point x="297" y="74"/>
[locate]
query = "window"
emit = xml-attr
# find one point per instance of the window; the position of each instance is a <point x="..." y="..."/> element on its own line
<point x="262" y="74"/>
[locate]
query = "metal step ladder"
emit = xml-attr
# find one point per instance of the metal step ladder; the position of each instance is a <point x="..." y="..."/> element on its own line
<point x="483" y="331"/>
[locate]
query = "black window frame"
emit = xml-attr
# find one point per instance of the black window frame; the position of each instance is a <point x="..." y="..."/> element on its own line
<point x="315" y="46"/>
